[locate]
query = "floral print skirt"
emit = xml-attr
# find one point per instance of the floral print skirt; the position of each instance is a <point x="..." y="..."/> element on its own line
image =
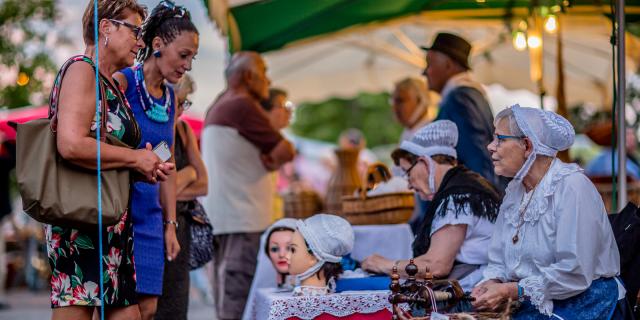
<point x="73" y="257"/>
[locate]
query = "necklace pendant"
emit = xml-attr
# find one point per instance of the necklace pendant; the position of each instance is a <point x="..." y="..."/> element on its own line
<point x="515" y="238"/>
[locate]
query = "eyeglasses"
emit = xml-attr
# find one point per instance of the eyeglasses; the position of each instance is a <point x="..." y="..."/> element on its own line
<point x="137" y="31"/>
<point x="186" y="104"/>
<point x="499" y="138"/>
<point x="289" y="106"/>
<point x="408" y="171"/>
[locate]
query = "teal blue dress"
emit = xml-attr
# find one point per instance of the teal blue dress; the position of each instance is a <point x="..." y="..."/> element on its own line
<point x="146" y="210"/>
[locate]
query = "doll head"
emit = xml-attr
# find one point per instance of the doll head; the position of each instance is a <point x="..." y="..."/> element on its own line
<point x="277" y="248"/>
<point x="317" y="246"/>
<point x="276" y="244"/>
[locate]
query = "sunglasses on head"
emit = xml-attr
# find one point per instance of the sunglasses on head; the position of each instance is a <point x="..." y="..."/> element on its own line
<point x="181" y="11"/>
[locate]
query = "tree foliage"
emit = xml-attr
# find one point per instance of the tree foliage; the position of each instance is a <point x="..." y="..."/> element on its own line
<point x="26" y="26"/>
<point x="370" y="113"/>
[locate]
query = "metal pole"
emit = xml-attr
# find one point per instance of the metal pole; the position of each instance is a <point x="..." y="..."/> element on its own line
<point x="622" y="155"/>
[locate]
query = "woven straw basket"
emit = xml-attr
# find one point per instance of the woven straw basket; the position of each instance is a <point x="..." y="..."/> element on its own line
<point x="390" y="208"/>
<point x="301" y="204"/>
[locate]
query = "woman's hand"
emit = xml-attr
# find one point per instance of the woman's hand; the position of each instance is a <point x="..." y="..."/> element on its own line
<point x="171" y="242"/>
<point x="164" y="170"/>
<point x="403" y="315"/>
<point x="377" y="264"/>
<point x="150" y="166"/>
<point x="146" y="162"/>
<point x="481" y="288"/>
<point x="490" y="295"/>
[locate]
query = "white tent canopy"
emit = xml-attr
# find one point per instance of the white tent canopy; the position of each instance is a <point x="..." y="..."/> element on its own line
<point x="371" y="59"/>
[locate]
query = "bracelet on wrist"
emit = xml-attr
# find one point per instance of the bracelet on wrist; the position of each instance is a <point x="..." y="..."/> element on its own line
<point x="520" y="292"/>
<point x="173" y="222"/>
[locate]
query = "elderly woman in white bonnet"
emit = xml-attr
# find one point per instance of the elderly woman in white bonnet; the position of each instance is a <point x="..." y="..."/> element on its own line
<point x="553" y="248"/>
<point x="453" y="239"/>
<point x="317" y="247"/>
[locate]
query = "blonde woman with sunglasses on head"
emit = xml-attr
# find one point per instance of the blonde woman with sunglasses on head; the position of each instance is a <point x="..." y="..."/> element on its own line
<point x="73" y="254"/>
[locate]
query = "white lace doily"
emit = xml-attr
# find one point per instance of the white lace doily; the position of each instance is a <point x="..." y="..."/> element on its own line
<point x="272" y="305"/>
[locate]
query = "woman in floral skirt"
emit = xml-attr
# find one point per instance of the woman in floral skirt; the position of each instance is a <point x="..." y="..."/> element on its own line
<point x="74" y="254"/>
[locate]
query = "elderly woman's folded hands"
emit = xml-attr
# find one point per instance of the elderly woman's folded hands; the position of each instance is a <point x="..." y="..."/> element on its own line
<point x="492" y="294"/>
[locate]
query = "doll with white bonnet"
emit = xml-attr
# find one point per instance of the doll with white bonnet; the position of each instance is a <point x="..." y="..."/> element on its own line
<point x="276" y="247"/>
<point x="316" y="249"/>
<point x="272" y="270"/>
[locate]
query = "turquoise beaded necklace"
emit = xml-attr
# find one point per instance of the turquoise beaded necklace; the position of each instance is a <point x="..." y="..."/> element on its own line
<point x="153" y="110"/>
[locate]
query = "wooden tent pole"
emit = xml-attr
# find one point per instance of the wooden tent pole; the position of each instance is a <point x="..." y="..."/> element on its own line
<point x="560" y="85"/>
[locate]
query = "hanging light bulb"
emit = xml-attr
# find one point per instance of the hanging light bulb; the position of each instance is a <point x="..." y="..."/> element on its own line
<point x="520" y="41"/>
<point x="551" y="25"/>
<point x="534" y="41"/>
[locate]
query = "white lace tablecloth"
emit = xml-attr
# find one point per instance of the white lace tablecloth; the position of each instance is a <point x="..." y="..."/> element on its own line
<point x="272" y="305"/>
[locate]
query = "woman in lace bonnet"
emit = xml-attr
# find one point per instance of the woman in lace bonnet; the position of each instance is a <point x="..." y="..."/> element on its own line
<point x="455" y="232"/>
<point x="553" y="248"/>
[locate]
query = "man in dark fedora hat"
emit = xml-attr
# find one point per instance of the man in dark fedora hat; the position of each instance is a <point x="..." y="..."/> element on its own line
<point x="464" y="102"/>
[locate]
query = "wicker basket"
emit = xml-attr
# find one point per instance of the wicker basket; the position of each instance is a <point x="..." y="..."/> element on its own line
<point x="301" y="204"/>
<point x="605" y="188"/>
<point x="390" y="208"/>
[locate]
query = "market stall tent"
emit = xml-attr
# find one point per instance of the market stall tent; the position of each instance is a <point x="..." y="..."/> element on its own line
<point x="320" y="49"/>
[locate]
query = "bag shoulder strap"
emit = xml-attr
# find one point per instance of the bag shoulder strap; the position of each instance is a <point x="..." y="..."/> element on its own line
<point x="55" y="92"/>
<point x="184" y="133"/>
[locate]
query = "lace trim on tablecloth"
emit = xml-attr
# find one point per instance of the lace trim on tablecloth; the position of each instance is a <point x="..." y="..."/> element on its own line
<point x="337" y="305"/>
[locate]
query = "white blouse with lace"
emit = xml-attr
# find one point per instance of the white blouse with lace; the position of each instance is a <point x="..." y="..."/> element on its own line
<point x="565" y="241"/>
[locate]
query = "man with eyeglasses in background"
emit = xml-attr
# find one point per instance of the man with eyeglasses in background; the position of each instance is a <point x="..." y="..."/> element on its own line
<point x="279" y="110"/>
